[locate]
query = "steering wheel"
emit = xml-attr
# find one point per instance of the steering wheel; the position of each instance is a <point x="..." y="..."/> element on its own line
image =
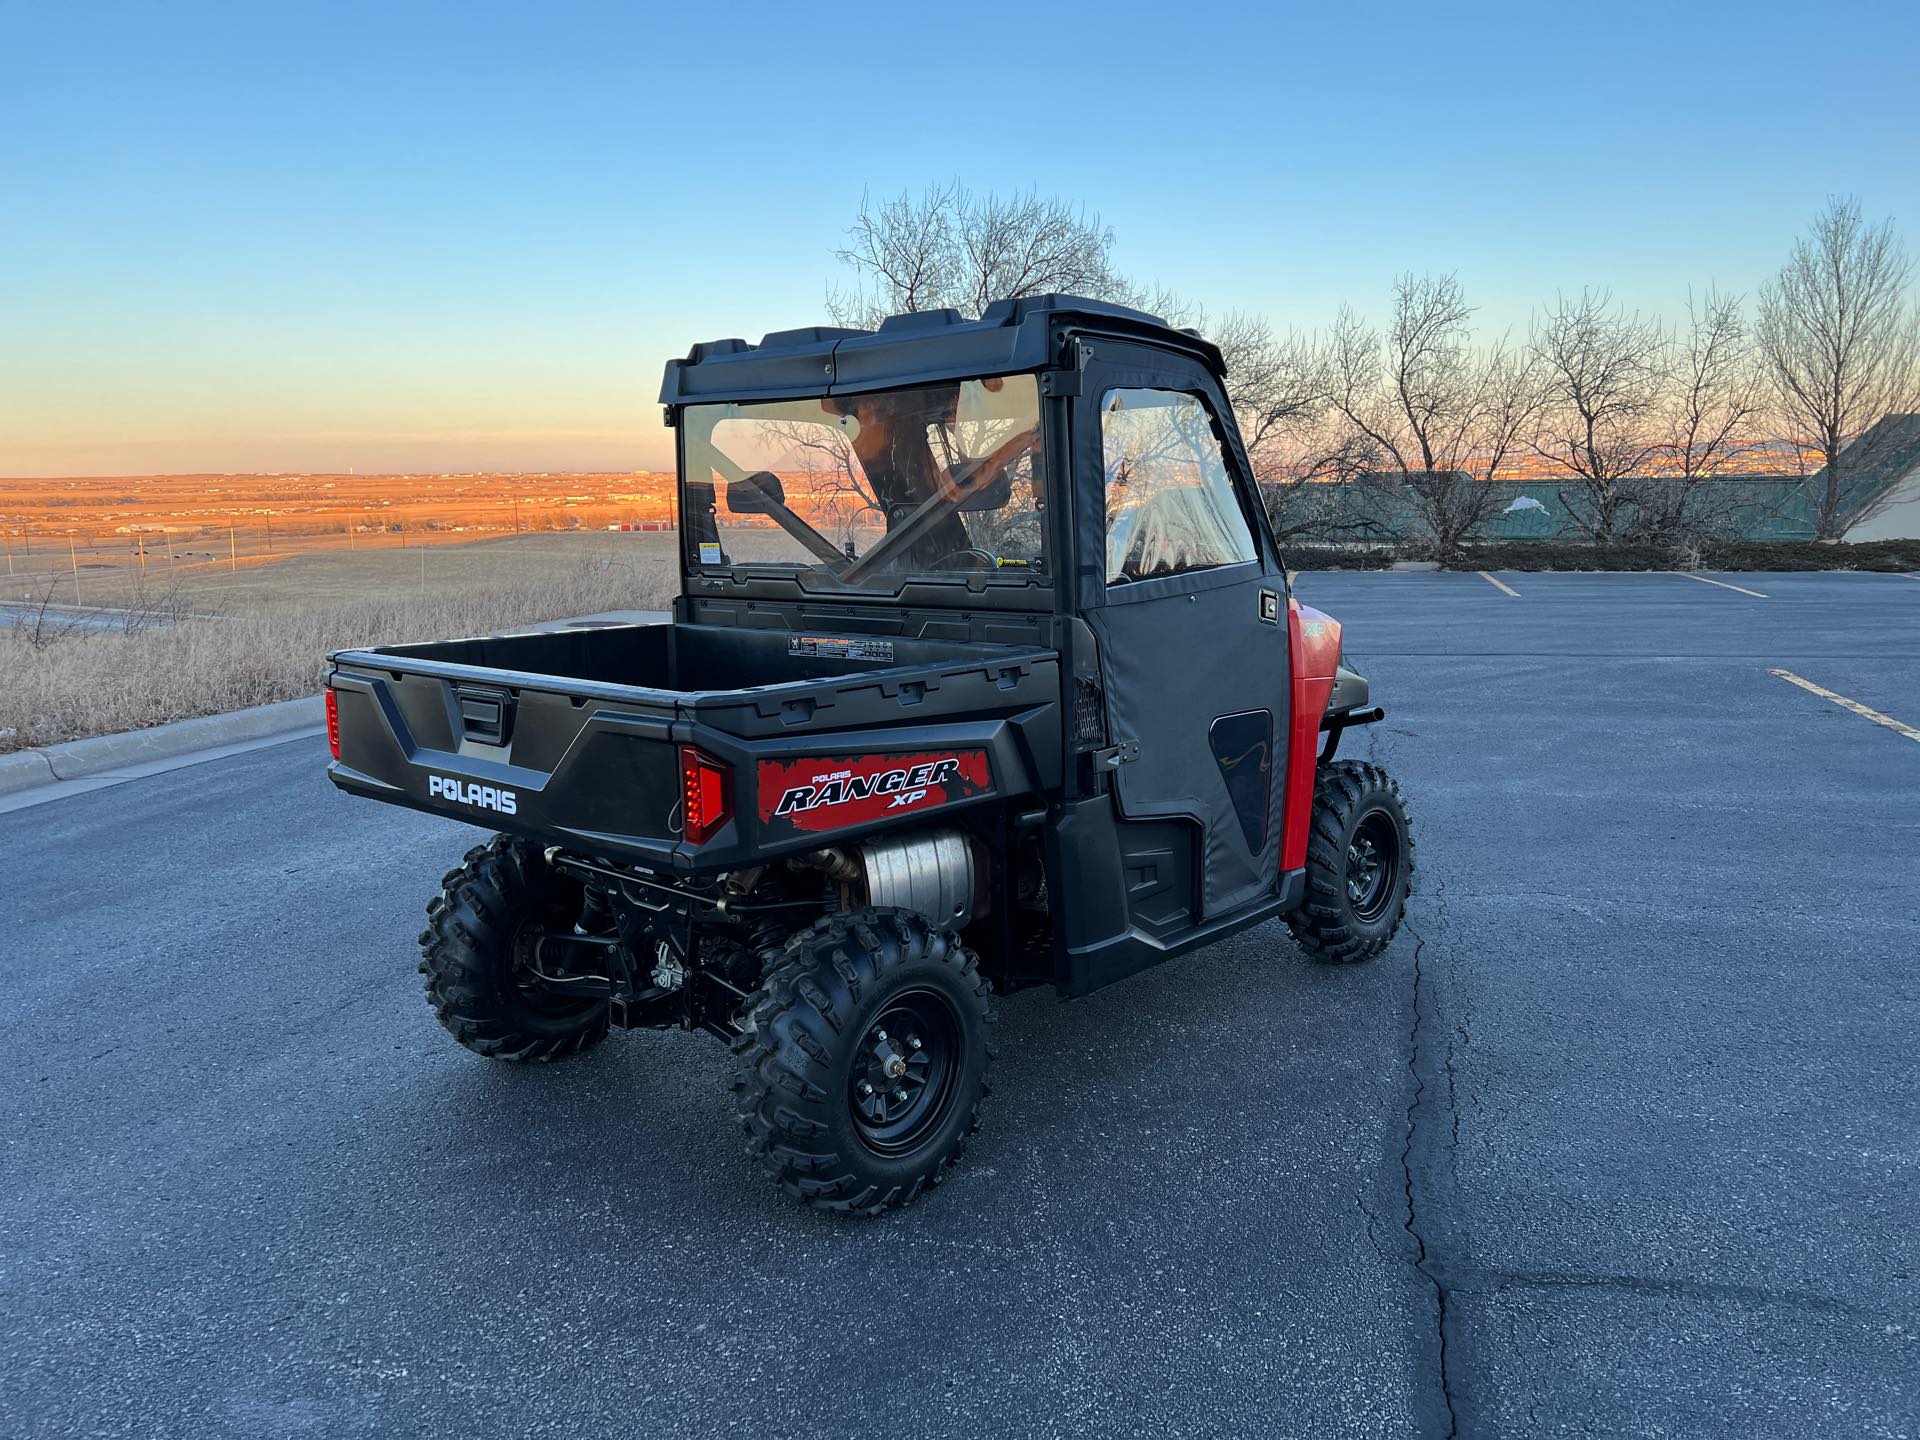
<point x="980" y="559"/>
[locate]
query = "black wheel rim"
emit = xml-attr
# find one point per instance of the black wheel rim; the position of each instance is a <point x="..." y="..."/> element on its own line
<point x="1373" y="865"/>
<point x="904" y="1071"/>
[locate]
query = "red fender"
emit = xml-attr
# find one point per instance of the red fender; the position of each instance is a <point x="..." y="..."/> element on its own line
<point x="1313" y="653"/>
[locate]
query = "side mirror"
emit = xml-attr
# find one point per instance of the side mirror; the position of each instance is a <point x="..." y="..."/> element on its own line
<point x="757" y="494"/>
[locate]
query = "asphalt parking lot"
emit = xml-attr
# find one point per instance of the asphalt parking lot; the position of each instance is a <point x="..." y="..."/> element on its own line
<point x="1622" y="1136"/>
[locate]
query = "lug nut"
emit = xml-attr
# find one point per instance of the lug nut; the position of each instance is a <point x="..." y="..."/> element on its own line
<point x="865" y="1088"/>
<point x="879" y="1034"/>
<point x="899" y="1094"/>
<point x="913" y="1042"/>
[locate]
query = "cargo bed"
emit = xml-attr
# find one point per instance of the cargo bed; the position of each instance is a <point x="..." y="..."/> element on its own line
<point x="576" y="737"/>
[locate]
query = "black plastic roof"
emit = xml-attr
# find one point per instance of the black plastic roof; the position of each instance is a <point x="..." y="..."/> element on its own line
<point x="923" y="345"/>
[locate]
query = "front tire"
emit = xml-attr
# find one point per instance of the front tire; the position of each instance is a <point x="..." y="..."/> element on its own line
<point x="864" y="1061"/>
<point x="481" y="936"/>
<point x="1359" y="865"/>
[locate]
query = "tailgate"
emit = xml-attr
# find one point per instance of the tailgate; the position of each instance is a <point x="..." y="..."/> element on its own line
<point x="554" y="759"/>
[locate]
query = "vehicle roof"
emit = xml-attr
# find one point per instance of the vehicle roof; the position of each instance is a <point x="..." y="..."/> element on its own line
<point x="919" y="346"/>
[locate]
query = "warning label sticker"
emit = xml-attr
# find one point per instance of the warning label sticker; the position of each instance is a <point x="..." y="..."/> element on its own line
<point x="841" y="647"/>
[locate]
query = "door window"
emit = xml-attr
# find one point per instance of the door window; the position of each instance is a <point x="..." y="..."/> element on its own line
<point x="1170" y="502"/>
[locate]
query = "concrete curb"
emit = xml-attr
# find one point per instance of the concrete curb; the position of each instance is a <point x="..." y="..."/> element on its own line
<point x="24" y="770"/>
<point x="104" y="754"/>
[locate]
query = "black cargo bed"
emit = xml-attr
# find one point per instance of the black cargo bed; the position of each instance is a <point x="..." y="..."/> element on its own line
<point x="573" y="735"/>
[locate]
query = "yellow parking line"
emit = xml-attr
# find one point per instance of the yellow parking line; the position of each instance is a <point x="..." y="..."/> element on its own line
<point x="1845" y="704"/>
<point x="1498" y="586"/>
<point x="1721" y="583"/>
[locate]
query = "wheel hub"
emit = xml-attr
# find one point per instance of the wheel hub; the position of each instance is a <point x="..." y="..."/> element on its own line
<point x="903" y="1070"/>
<point x="1363" y="868"/>
<point x="1372" y="865"/>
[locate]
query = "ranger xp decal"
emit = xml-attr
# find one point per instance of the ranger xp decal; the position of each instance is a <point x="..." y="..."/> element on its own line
<point x="486" y="797"/>
<point x="825" y="792"/>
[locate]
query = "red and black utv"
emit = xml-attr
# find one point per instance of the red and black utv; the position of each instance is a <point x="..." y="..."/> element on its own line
<point x="985" y="674"/>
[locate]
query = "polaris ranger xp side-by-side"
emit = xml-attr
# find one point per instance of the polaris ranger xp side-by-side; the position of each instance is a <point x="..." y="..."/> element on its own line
<point x="985" y="674"/>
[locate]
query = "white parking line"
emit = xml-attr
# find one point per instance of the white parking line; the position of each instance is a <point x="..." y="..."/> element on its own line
<point x="1721" y="583"/>
<point x="1497" y="585"/>
<point x="1845" y="704"/>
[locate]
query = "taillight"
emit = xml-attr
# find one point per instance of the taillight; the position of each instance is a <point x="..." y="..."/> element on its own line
<point x="706" y="790"/>
<point x="333" y="722"/>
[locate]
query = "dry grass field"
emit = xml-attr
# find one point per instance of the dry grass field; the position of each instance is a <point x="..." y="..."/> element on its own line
<point x="221" y="640"/>
<point x="644" y="563"/>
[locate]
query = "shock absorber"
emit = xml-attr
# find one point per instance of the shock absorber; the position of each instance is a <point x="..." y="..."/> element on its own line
<point x="767" y="932"/>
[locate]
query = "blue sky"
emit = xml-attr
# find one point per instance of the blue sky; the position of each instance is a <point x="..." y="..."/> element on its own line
<point x="262" y="237"/>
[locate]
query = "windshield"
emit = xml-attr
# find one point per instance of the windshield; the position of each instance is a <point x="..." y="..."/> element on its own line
<point x="867" y="491"/>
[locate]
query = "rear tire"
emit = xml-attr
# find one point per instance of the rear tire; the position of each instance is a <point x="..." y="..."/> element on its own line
<point x="479" y="936"/>
<point x="863" y="1065"/>
<point x="1359" y="865"/>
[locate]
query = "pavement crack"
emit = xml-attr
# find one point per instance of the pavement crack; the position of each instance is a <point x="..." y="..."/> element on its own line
<point x="1421" y="1021"/>
<point x="1373" y="1228"/>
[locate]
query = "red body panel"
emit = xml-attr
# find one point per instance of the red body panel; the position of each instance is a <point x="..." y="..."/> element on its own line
<point x="830" y="792"/>
<point x="1313" y="648"/>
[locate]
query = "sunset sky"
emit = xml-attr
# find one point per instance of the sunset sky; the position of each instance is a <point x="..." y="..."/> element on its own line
<point x="405" y="237"/>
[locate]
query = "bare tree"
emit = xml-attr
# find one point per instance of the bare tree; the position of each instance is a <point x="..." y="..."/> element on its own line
<point x="1510" y="395"/>
<point x="1841" y="348"/>
<point x="1428" y="409"/>
<point x="1710" y="410"/>
<point x="1275" y="384"/>
<point x="1311" y="471"/>
<point x="956" y="247"/>
<point x="1605" y="370"/>
<point x="1704" y="424"/>
<point x="1329" y="489"/>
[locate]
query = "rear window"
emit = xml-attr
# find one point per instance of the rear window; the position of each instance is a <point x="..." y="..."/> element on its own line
<point x="868" y="491"/>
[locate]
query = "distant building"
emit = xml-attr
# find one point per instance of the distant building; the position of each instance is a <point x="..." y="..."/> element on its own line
<point x="1882" y="500"/>
<point x="1891" y="490"/>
